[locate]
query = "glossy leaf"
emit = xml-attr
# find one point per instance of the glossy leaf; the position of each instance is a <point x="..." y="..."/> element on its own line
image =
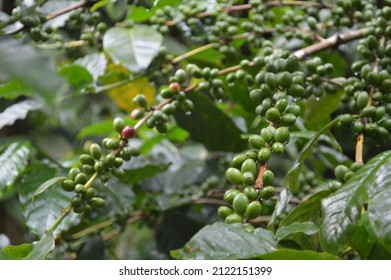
<point x="95" y="63"/>
<point x="307" y="211"/>
<point x="18" y="111"/>
<point x="76" y="75"/>
<point x="319" y="110"/>
<point x="47" y="185"/>
<point x="223" y="241"/>
<point x="133" y="48"/>
<point x="208" y="118"/>
<point x="307" y="228"/>
<point x="283" y="202"/>
<point x="14" y="89"/>
<point x="292" y="178"/>
<point x="41" y="212"/>
<point x="43" y="247"/>
<point x="291" y="254"/>
<point x="17" y="252"/>
<point x="32" y="67"/>
<point x="342" y="210"/>
<point x="13" y="162"/>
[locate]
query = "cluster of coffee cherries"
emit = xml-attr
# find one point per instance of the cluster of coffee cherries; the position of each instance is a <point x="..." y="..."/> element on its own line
<point x="342" y="174"/>
<point x="99" y="161"/>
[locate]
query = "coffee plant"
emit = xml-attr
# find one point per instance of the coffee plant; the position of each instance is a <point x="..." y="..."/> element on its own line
<point x="213" y="129"/>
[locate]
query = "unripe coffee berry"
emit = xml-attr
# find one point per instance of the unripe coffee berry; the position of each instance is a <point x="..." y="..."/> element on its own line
<point x="97" y="202"/>
<point x="240" y="203"/>
<point x="95" y="151"/>
<point x="230" y="194"/>
<point x="233" y="219"/>
<point x="253" y="210"/>
<point x="267" y="192"/>
<point x="127" y="132"/>
<point x="118" y="124"/>
<point x="234" y="176"/>
<point x="224" y="212"/>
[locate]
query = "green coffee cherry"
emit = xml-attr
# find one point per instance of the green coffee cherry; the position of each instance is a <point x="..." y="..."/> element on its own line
<point x="240" y="203"/>
<point x="362" y="99"/>
<point x="253" y="154"/>
<point x="110" y="160"/>
<point x="253" y="210"/>
<point x="88" y="169"/>
<point x="81" y="178"/>
<point x="238" y="160"/>
<point x="256" y="141"/>
<point x="340" y="171"/>
<point x="224" y="212"/>
<point x="250" y="192"/>
<point x="267" y="192"/>
<point x="264" y="155"/>
<point x="282" y="104"/>
<point x="234" y="176"/>
<point x="267" y="133"/>
<point x="89" y="194"/>
<point x="118" y="124"/>
<point x="273" y="114"/>
<point x="267" y="177"/>
<point x="285" y="79"/>
<point x="288" y="119"/>
<point x="230" y="195"/>
<point x="233" y="219"/>
<point x="76" y="201"/>
<point x="95" y="151"/>
<point x="97" y="202"/>
<point x="126" y="153"/>
<point x="68" y="185"/>
<point x="86" y="159"/>
<point x="118" y="172"/>
<point x="282" y="134"/>
<point x="271" y="80"/>
<point x="112" y="144"/>
<point x="140" y="100"/>
<point x="248" y="166"/>
<point x="73" y="172"/>
<point x="278" y="148"/>
<point x="248" y="178"/>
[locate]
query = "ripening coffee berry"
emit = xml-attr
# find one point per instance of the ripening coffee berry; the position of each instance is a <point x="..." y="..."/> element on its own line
<point x="267" y="192"/>
<point x="256" y="141"/>
<point x="140" y="100"/>
<point x="240" y="203"/>
<point x="175" y="87"/>
<point x="272" y="114"/>
<point x="238" y="160"/>
<point x="253" y="210"/>
<point x="264" y="154"/>
<point x="136" y="114"/>
<point x="248" y="166"/>
<point x="224" y="212"/>
<point x="250" y="192"/>
<point x="340" y="171"/>
<point x="97" y="202"/>
<point x="127" y="132"/>
<point x="95" y="151"/>
<point x="234" y="176"/>
<point x="248" y="178"/>
<point x="230" y="194"/>
<point x="233" y="219"/>
<point x="68" y="185"/>
<point x="118" y="124"/>
<point x="81" y="178"/>
<point x="267" y="177"/>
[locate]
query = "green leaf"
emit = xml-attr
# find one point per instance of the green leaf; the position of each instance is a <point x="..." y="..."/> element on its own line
<point x="18" y="111"/>
<point x="223" y="241"/>
<point x="133" y="48"/>
<point x="292" y="178"/>
<point x="291" y="254"/>
<point x="17" y="252"/>
<point x="41" y="213"/>
<point x="13" y="162"/>
<point x="76" y="75"/>
<point x="95" y="63"/>
<point x="43" y="247"/>
<point x="143" y="172"/>
<point x="361" y="242"/>
<point x="342" y="210"/>
<point x="207" y="118"/>
<point x="307" y="211"/>
<point x="47" y="184"/>
<point x="283" y="202"/>
<point x="14" y="89"/>
<point x="240" y="95"/>
<point x="307" y="228"/>
<point x="33" y="68"/>
<point x="319" y="110"/>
